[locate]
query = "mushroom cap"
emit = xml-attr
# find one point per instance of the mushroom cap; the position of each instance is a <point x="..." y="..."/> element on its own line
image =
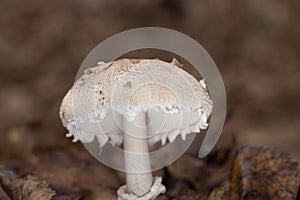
<point x="175" y="102"/>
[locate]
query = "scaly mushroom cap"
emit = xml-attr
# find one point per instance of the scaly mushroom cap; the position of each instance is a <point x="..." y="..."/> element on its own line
<point x="176" y="103"/>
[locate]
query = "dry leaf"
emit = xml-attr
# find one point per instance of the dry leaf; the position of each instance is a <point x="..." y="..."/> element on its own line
<point x="260" y="173"/>
<point x="26" y="188"/>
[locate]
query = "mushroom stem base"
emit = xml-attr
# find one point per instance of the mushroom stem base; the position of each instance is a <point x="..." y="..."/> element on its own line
<point x="156" y="189"/>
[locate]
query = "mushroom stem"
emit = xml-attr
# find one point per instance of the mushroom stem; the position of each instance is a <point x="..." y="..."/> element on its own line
<point x="137" y="162"/>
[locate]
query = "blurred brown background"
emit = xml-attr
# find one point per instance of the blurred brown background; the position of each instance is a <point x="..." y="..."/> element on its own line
<point x="254" y="43"/>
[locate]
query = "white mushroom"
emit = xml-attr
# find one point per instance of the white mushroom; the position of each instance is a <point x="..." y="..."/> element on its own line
<point x="136" y="103"/>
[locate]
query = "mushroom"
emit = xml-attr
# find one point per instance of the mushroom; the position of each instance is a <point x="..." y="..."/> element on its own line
<point x="136" y="102"/>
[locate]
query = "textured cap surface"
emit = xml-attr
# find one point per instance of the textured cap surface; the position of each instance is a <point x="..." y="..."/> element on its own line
<point x="175" y="102"/>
